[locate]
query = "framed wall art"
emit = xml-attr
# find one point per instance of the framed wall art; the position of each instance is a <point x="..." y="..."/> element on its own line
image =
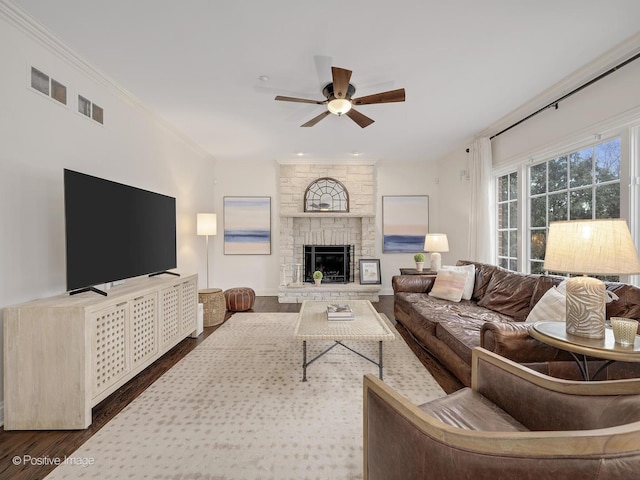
<point x="405" y="222"/>
<point x="247" y="225"/>
<point x="370" y="271"/>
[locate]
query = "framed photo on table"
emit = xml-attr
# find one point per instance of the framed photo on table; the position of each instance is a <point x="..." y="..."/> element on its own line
<point x="370" y="272"/>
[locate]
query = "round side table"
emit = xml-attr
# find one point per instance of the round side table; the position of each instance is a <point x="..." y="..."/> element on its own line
<point x="214" y="306"/>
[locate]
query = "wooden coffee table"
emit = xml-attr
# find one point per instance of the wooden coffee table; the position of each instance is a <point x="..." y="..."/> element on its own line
<point x="368" y="325"/>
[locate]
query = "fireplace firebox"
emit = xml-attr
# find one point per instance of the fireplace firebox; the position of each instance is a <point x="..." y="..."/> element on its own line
<point x="334" y="261"/>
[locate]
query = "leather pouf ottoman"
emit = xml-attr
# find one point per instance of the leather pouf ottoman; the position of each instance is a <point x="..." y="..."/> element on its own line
<point x="239" y="299"/>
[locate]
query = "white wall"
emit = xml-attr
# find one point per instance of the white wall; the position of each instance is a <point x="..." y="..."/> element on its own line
<point x="454" y="205"/>
<point x="40" y="137"/>
<point x="402" y="178"/>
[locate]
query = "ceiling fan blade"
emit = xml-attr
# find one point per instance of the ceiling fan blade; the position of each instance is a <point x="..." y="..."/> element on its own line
<point x="384" y="97"/>
<point x="299" y="100"/>
<point x="341" y="79"/>
<point x="315" y="120"/>
<point x="359" y="118"/>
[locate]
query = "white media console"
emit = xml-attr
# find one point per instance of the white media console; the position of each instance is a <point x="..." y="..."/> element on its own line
<point x="65" y="354"/>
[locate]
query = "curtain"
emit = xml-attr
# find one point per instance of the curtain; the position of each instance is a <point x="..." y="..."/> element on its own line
<point x="482" y="204"/>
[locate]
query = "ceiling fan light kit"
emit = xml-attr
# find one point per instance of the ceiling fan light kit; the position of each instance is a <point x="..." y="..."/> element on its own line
<point x="339" y="99"/>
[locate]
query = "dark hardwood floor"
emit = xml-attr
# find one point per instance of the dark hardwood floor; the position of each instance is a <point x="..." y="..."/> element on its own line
<point x="19" y="449"/>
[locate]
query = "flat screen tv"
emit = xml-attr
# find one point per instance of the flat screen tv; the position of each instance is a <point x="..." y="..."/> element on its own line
<point x="115" y="231"/>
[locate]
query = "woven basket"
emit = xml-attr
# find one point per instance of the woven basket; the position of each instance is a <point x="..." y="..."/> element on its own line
<point x="214" y="307"/>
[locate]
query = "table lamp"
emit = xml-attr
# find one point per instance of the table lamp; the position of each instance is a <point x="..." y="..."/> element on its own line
<point x="207" y="225"/>
<point x="436" y="243"/>
<point x="589" y="247"/>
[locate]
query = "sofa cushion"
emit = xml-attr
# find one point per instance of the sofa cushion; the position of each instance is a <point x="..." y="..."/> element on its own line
<point x="471" y="411"/>
<point x="510" y="293"/>
<point x="449" y="285"/>
<point x="460" y="334"/>
<point x="467" y="293"/>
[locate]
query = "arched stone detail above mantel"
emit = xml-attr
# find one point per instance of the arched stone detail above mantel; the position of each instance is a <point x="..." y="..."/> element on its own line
<point x="326" y="194"/>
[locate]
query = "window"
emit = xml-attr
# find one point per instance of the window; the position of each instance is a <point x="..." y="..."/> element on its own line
<point x="583" y="184"/>
<point x="507" y="220"/>
<point x="91" y="110"/>
<point x="50" y="87"/>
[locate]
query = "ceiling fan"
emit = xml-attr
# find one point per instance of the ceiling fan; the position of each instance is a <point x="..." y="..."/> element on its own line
<point x="339" y="99"/>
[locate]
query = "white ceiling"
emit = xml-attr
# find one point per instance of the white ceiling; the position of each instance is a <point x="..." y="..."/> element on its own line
<point x="464" y="65"/>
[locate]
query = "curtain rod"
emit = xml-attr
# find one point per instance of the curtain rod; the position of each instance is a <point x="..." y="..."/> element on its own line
<point x="572" y="92"/>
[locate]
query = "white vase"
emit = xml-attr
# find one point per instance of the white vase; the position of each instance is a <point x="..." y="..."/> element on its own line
<point x="317" y="281"/>
<point x="419" y="266"/>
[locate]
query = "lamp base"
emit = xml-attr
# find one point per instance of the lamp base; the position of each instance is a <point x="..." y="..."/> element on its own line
<point x="586" y="307"/>
<point x="436" y="261"/>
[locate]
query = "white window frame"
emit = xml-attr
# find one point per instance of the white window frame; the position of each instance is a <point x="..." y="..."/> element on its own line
<point x="627" y="128"/>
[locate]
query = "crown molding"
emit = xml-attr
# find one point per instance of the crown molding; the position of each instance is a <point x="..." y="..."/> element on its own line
<point x="38" y="32"/>
<point x="618" y="54"/>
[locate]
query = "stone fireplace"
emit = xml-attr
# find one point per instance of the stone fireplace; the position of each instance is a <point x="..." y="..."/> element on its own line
<point x="298" y="228"/>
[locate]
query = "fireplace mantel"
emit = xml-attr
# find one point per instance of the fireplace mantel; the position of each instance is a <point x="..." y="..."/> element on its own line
<point x="327" y="215"/>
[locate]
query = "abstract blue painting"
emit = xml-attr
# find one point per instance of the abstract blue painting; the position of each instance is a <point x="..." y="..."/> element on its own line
<point x="247" y="225"/>
<point x="405" y="222"/>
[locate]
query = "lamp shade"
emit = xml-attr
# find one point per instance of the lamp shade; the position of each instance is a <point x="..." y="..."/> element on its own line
<point x="594" y="247"/>
<point x="436" y="242"/>
<point x="207" y="224"/>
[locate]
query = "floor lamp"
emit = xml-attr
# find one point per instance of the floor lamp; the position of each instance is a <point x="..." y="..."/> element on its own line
<point x="207" y="225"/>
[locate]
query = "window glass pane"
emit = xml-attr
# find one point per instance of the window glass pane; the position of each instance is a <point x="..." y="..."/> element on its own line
<point x="503" y="243"/>
<point x="504" y="263"/>
<point x="538" y="212"/>
<point x="58" y="92"/>
<point x="513" y="214"/>
<point x="513" y="186"/>
<point x="581" y="204"/>
<point x="503" y="189"/>
<point x="538" y="180"/>
<point x="557" y="207"/>
<point x="513" y="265"/>
<point x="557" y="174"/>
<point x="608" y="201"/>
<point x="580" y="168"/>
<point x="608" y="161"/>
<point x="513" y="243"/>
<point x="97" y="113"/>
<point x="538" y="244"/>
<point x="39" y="81"/>
<point x="84" y="106"/>
<point x="503" y="215"/>
<point x="537" y="267"/>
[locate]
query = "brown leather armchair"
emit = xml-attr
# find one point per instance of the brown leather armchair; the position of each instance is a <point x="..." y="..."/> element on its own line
<point x="513" y="423"/>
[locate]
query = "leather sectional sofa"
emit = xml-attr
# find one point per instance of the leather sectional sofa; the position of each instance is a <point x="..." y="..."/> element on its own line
<point x="493" y="318"/>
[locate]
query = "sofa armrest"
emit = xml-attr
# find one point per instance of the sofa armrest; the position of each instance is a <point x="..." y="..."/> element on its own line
<point x="412" y="283"/>
<point x="512" y="340"/>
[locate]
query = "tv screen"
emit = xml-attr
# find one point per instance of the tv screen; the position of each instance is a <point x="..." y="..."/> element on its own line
<point x="115" y="231"/>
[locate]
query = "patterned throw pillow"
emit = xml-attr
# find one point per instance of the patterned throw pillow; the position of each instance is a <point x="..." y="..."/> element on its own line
<point x="471" y="278"/>
<point x="449" y="285"/>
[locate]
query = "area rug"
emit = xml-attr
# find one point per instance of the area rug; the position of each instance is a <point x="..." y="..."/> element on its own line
<point x="236" y="408"/>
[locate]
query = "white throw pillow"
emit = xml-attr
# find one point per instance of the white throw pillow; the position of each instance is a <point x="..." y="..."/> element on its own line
<point x="471" y="278"/>
<point x="449" y="285"/>
<point x="552" y="307"/>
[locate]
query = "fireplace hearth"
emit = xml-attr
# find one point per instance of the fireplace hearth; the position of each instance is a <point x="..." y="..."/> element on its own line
<point x="334" y="261"/>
